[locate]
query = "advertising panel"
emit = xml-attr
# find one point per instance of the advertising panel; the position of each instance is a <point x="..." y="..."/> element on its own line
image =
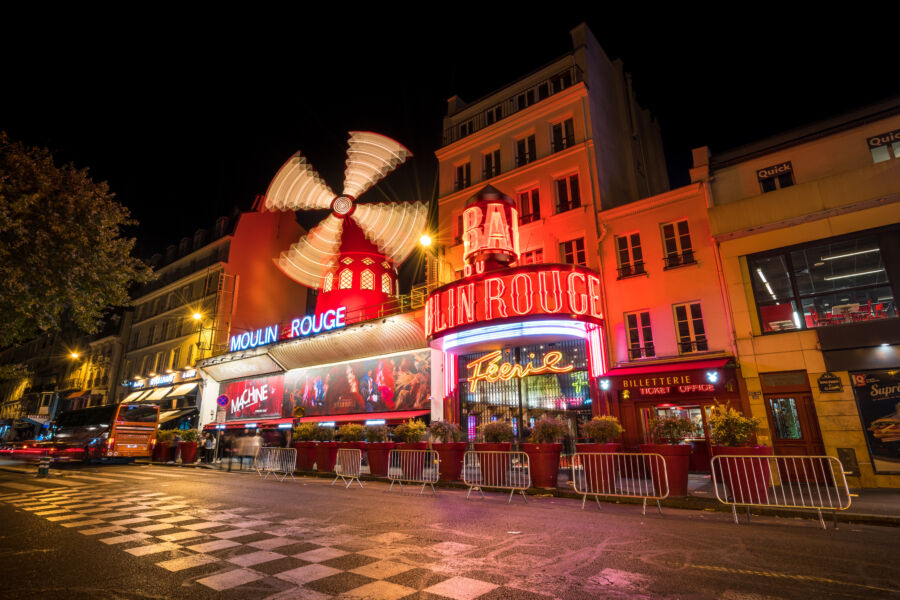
<point x="254" y="398"/>
<point x="398" y="382"/>
<point x="878" y="398"/>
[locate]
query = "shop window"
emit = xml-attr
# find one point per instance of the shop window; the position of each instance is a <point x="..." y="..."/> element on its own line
<point x="529" y="206"/>
<point x="385" y="283"/>
<point x="640" y="336"/>
<point x="828" y="282"/>
<point x="329" y="282"/>
<point x="562" y="135"/>
<point x="677" y="244"/>
<point x="785" y="419"/>
<point x="367" y="280"/>
<point x="491" y="162"/>
<point x="526" y="151"/>
<point x="885" y="146"/>
<point x="345" y="279"/>
<point x="690" y="329"/>
<point x="568" y="195"/>
<point x="532" y="257"/>
<point x="629" y="255"/>
<point x="572" y="252"/>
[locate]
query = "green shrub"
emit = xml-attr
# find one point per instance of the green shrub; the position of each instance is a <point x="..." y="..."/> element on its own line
<point x="728" y="427"/>
<point x="190" y="435"/>
<point x="324" y="434"/>
<point x="548" y="430"/>
<point x="671" y="430"/>
<point x="377" y="433"/>
<point x="305" y="432"/>
<point x="497" y="431"/>
<point x="351" y="432"/>
<point x="442" y="431"/>
<point x="410" y="431"/>
<point x="602" y="429"/>
<point x="164" y="436"/>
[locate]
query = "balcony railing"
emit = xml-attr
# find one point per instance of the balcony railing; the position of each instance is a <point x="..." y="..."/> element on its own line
<point x="529" y="218"/>
<point x="521" y="100"/>
<point x="525" y="158"/>
<point x="461" y="184"/>
<point x="689" y="346"/>
<point x="638" y="352"/>
<point x="487" y="173"/>
<point x="676" y="259"/>
<point x="562" y="143"/>
<point x="630" y="270"/>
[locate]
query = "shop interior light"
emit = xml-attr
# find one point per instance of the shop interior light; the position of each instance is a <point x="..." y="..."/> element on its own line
<point x="837" y="256"/>
<point x="859" y="274"/>
<point x="376" y="422"/>
<point x="250" y="425"/>
<point x="326" y="423"/>
<point x="220" y="427"/>
<point x="285" y="425"/>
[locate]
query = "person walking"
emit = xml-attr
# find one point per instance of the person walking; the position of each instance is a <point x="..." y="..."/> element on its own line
<point x="176" y="447"/>
<point x="254" y="443"/>
<point x="209" y="445"/>
<point x="228" y="449"/>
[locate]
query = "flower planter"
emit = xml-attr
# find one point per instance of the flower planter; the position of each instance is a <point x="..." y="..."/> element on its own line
<point x="413" y="465"/>
<point x="378" y="453"/>
<point x="602" y="472"/>
<point x="451" y="455"/>
<point x="326" y="456"/>
<point x="161" y="453"/>
<point x="747" y="479"/>
<point x="494" y="467"/>
<point x="352" y="446"/>
<point x="306" y="455"/>
<point x="677" y="458"/>
<point x="607" y="448"/>
<point x="543" y="460"/>
<point x="188" y="452"/>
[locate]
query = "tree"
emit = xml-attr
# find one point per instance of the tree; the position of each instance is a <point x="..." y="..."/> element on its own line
<point x="63" y="259"/>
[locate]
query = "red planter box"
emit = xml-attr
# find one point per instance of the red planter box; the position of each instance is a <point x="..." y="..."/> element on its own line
<point x="378" y="453"/>
<point x="188" y="452"/>
<point x="451" y="455"/>
<point x="161" y="452"/>
<point x="748" y="479"/>
<point x="494" y="467"/>
<point x="412" y="446"/>
<point x="544" y="462"/>
<point x="607" y="448"/>
<point x="326" y="456"/>
<point x="306" y="455"/>
<point x="677" y="458"/>
<point x="352" y="445"/>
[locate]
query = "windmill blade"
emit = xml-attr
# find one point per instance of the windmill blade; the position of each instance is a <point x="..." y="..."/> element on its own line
<point x="370" y="158"/>
<point x="394" y="227"/>
<point x="297" y="186"/>
<point x="308" y="260"/>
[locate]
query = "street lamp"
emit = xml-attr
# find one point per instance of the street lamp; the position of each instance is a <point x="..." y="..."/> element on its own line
<point x="425" y="240"/>
<point x="74" y="355"/>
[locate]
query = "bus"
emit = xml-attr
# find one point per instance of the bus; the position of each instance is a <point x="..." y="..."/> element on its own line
<point x="119" y="432"/>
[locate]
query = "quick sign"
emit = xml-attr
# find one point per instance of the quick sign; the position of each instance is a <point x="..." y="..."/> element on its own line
<point x="891" y="137"/>
<point x="774" y="171"/>
<point x="300" y="327"/>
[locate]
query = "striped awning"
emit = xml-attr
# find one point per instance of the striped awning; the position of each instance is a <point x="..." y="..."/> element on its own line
<point x="159" y="393"/>
<point x="183" y="389"/>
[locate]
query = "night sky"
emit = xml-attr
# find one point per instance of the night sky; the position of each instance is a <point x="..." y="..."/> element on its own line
<point x="188" y="118"/>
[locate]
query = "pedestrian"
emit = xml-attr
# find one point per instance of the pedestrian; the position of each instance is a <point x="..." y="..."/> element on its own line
<point x="209" y="445"/>
<point x="228" y="449"/>
<point x="176" y="447"/>
<point x="254" y="442"/>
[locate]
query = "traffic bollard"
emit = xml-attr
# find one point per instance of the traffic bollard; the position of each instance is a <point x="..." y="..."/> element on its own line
<point x="44" y="466"/>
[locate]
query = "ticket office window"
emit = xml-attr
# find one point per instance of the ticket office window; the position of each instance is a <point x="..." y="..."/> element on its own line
<point x="699" y="416"/>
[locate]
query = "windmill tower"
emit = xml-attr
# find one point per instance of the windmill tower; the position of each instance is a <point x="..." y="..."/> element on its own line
<point x="352" y="255"/>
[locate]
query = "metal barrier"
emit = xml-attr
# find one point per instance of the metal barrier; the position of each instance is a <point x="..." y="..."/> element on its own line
<point x="273" y="461"/>
<point x="810" y="482"/>
<point x="621" y="475"/>
<point x="497" y="469"/>
<point x="413" y="466"/>
<point x="347" y="466"/>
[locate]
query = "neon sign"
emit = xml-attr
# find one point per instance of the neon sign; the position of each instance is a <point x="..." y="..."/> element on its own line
<point x="300" y="327"/>
<point x="493" y="228"/>
<point x="532" y="290"/>
<point x="489" y="368"/>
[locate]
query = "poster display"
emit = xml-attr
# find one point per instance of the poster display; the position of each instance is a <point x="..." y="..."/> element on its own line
<point x="380" y="384"/>
<point x="254" y="398"/>
<point x="878" y="398"/>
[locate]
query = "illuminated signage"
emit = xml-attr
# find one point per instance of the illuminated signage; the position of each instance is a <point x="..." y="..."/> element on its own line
<point x="162" y="379"/>
<point x="489" y="368"/>
<point x="492" y="228"/>
<point x="532" y="290"/>
<point x="300" y="327"/>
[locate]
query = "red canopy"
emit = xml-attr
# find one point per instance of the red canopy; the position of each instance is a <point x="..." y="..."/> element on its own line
<point x="387" y="416"/>
<point x="688" y="365"/>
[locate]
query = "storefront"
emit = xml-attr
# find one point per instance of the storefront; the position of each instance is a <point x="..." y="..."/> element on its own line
<point x="176" y="394"/>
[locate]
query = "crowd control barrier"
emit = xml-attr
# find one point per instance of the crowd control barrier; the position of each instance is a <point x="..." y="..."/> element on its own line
<point x="348" y="466"/>
<point x="802" y="482"/>
<point x="496" y="469"/>
<point x="413" y="466"/>
<point x="273" y="461"/>
<point x="621" y="475"/>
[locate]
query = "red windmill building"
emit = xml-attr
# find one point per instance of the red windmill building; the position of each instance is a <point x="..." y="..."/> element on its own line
<point x="353" y="254"/>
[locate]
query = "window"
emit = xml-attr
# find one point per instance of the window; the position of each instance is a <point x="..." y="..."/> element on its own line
<point x="127" y="370"/>
<point x="529" y="206"/>
<point x="568" y="196"/>
<point x="677" y="244"/>
<point x="176" y="356"/>
<point x="459" y="229"/>
<point x="491" y="164"/>
<point x="526" y="151"/>
<point x="531" y="258"/>
<point x="367" y="280"/>
<point x="885" y="146"/>
<point x="775" y="177"/>
<point x="329" y="282"/>
<point x="689" y="326"/>
<point x="385" y="283"/>
<point x="492" y="115"/>
<point x="165" y="330"/>
<point x="525" y="99"/>
<point x="465" y="129"/>
<point x="562" y="135"/>
<point x="463" y="178"/>
<point x="345" y="279"/>
<point x="785" y="419"/>
<point x="140" y="313"/>
<point x="629" y="255"/>
<point x="190" y="356"/>
<point x="151" y="333"/>
<point x="133" y="341"/>
<point x="573" y="252"/>
<point x="157" y="362"/>
<point x="827" y="282"/>
<point x="640" y="335"/>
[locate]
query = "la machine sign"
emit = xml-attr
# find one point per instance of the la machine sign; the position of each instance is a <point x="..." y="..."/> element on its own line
<point x="300" y="327"/>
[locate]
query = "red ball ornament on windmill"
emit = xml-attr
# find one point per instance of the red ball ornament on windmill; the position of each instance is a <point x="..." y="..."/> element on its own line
<point x="352" y="255"/>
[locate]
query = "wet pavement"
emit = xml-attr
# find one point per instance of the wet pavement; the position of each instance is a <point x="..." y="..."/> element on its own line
<point x="163" y="532"/>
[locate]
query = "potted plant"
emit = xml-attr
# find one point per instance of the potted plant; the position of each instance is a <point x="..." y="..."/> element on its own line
<point x="498" y="436"/>
<point x="543" y="450"/>
<point x="447" y="441"/>
<point x="601" y="430"/>
<point x="411" y="432"/>
<point x="326" y="449"/>
<point x="667" y="435"/>
<point x="304" y="443"/>
<point x="161" y="452"/>
<point x="188" y="445"/>
<point x="352" y="436"/>
<point x="378" y="449"/>
<point x="731" y="432"/>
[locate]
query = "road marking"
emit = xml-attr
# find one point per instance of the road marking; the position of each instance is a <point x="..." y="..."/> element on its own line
<point x="789" y="576"/>
<point x="83" y="523"/>
<point x="21" y="486"/>
<point x="177" y="519"/>
<point x="229" y="579"/>
<point x="95" y="479"/>
<point x="64" y="518"/>
<point x="212" y="546"/>
<point x="101" y="530"/>
<point x="63" y="482"/>
<point x="181" y="535"/>
<point x="188" y="562"/>
<point x="121" y="539"/>
<point x="153" y="549"/>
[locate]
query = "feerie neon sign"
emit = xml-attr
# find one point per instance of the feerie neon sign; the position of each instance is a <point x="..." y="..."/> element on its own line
<point x="489" y="368"/>
<point x="300" y="327"/>
<point x="569" y="291"/>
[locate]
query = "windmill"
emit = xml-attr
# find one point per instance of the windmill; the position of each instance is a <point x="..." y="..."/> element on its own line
<point x="352" y="255"/>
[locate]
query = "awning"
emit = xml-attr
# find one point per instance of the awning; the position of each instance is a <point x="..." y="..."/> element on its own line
<point x="250" y="423"/>
<point x="133" y="396"/>
<point x="387" y="416"/>
<point x="36" y="419"/>
<point x="158" y="393"/>
<point x="182" y="389"/>
<point x="170" y="415"/>
<point x="687" y="365"/>
<point x="78" y="394"/>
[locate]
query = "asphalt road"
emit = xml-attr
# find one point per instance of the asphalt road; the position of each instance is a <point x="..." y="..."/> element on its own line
<point x="163" y="532"/>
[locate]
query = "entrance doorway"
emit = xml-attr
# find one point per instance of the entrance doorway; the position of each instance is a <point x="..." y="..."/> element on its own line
<point x="793" y="422"/>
